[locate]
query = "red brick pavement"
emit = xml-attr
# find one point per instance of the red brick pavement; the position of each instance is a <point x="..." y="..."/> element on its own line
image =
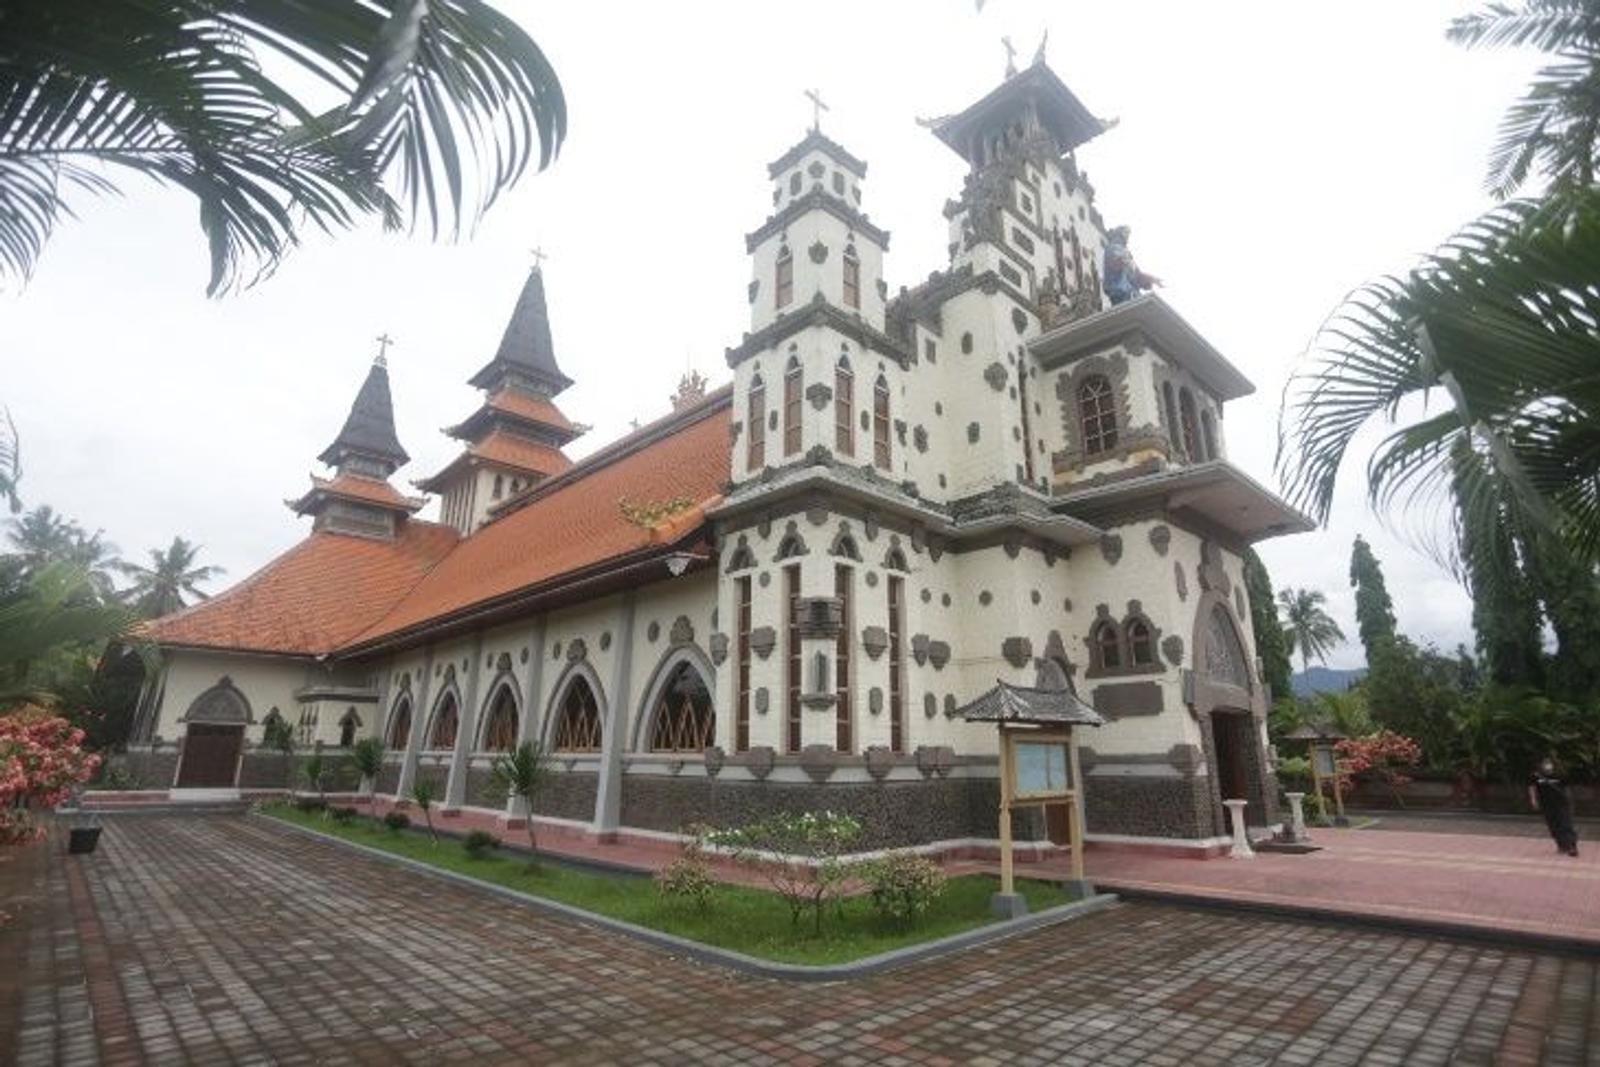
<point x="227" y="940"/>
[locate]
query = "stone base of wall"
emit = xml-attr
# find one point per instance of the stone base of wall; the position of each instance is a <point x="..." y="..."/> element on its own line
<point x="151" y="768"/>
<point x="268" y="770"/>
<point x="389" y="778"/>
<point x="1149" y="806"/>
<point x="569" y="795"/>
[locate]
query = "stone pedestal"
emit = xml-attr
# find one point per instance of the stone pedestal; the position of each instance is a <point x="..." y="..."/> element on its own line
<point x="1241" y="849"/>
<point x="1008" y="905"/>
<point x="1297" y="817"/>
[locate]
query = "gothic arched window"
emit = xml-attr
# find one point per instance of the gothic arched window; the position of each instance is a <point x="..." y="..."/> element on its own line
<point x="756" y="415"/>
<point x="1191" y="432"/>
<point x="783" y="290"/>
<point x="1169" y="401"/>
<point x="1208" y="433"/>
<point x="852" y="277"/>
<point x="844" y="408"/>
<point x="446" y="721"/>
<point x="880" y="423"/>
<point x="684" y="719"/>
<point x="1107" y="644"/>
<point x="793" y="387"/>
<point x="1141" y="645"/>
<point x="500" y="731"/>
<point x="348" y="727"/>
<point x="400" y="726"/>
<point x="1097" y="412"/>
<point x="578" y="725"/>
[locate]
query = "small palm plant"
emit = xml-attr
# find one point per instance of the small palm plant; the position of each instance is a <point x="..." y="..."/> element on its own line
<point x="278" y="736"/>
<point x="521" y="773"/>
<point x="367" y="756"/>
<point x="422" y="795"/>
<point x="312" y="770"/>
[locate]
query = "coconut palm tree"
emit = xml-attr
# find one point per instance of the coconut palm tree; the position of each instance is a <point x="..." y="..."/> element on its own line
<point x="1309" y="628"/>
<point x="53" y="613"/>
<point x="160" y="588"/>
<point x="44" y="536"/>
<point x="436" y="107"/>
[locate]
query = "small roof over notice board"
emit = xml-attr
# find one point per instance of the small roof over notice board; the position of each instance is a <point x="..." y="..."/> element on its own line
<point x="1040" y="707"/>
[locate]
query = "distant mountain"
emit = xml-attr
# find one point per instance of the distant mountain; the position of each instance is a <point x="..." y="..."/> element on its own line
<point x="1325" y="680"/>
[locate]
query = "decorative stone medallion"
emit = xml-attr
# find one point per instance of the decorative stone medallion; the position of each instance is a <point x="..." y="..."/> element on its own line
<point x="938" y="654"/>
<point x="1172" y="648"/>
<point x="1111" y="548"/>
<point x="1160" y="538"/>
<point x="763" y="640"/>
<point x="819" y="394"/>
<point x="577" y="650"/>
<point x="995" y="375"/>
<point x="763" y="700"/>
<point x="874" y="639"/>
<point x="719" y="648"/>
<point x="875" y="701"/>
<point x="682" y="632"/>
<point x="1018" y="651"/>
<point x="759" y="761"/>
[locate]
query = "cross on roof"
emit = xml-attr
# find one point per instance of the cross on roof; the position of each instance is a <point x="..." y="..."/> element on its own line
<point x="384" y="341"/>
<point x="538" y="258"/>
<point x="817" y="108"/>
<point x="1011" y="55"/>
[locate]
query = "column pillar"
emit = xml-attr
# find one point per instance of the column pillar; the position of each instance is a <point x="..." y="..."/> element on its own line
<point x="419" y="723"/>
<point x="608" y="796"/>
<point x="455" y="788"/>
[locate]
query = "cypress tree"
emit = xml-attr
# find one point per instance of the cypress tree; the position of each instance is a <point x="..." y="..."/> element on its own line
<point x="1264" y="621"/>
<point x="1374" y="607"/>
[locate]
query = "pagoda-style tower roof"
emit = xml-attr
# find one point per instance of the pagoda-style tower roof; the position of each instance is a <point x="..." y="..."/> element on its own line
<point x="526" y="355"/>
<point x="1036" y="97"/>
<point x="368" y="431"/>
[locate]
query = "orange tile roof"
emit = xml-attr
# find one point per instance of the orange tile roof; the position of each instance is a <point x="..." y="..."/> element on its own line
<point x="313" y="598"/>
<point x="356" y="487"/>
<point x="575" y="522"/>
<point x="511" y="450"/>
<point x="527" y="406"/>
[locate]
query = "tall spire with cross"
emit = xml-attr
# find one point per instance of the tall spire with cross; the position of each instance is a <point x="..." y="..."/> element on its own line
<point x="367" y="440"/>
<point x="817" y="108"/>
<point x="384" y="341"/>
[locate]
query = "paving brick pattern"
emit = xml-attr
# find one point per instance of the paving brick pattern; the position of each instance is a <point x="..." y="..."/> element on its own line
<point x="231" y="940"/>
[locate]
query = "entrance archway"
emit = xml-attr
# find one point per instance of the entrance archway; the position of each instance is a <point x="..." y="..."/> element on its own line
<point x="1230" y="734"/>
<point x="213" y="738"/>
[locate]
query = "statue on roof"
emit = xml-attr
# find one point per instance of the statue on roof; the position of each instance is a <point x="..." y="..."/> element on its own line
<point x="1123" y="278"/>
<point x="691" y="390"/>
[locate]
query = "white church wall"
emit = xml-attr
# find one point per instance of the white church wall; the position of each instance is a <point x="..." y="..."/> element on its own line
<point x="266" y="682"/>
<point x="692" y="597"/>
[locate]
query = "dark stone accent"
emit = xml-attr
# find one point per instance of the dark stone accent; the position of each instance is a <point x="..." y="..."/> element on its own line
<point x="577" y="650"/>
<point x="950" y="705"/>
<point x="919" y="439"/>
<point x="938" y="654"/>
<point x="1118" y="700"/>
<point x="1148" y="806"/>
<point x="1066" y="605"/>
<point x="567" y="795"/>
<point x="1181" y="580"/>
<point x="869" y="524"/>
<point x="1018" y="651"/>
<point x="973" y="433"/>
<point x="555" y="653"/>
<point x="1160" y="538"/>
<point x="1019" y="320"/>
<point x="754" y="288"/>
<point x="995" y="375"/>
<point x="1012" y="546"/>
<point x="764" y="579"/>
<point x="1211" y="573"/>
<point x="934" y="759"/>
<point x="682" y="632"/>
<point x="866" y="422"/>
<point x="759" y="761"/>
<point x="817" y="515"/>
<point x="919" y="647"/>
<point x="927" y="596"/>
<point x="874" y="639"/>
<point x="719" y="648"/>
<point x="1133" y="342"/>
<point x="893" y="814"/>
<point x="1111" y="547"/>
<point x="1034" y="596"/>
<point x="966" y="344"/>
<point x="944" y="599"/>
<point x="872" y="579"/>
<point x="524" y="655"/>
<point x="819" y="394"/>
<point x="844" y="545"/>
<point x="819" y="762"/>
<point x="985" y="598"/>
<point x="818" y="252"/>
<point x="605" y="640"/>
<point x="741" y="556"/>
<point x="1172" y="648"/>
<point x="772" y="420"/>
<point x="763" y="640"/>
<point x="930" y="705"/>
<point x="880" y="761"/>
<point x="1185" y="758"/>
<point x="714" y="759"/>
<point x="763" y="700"/>
<point x="819" y="616"/>
<point x="875" y="701"/>
<point x="900" y="430"/>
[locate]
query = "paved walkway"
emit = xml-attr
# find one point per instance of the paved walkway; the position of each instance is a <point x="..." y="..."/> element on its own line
<point x="232" y="940"/>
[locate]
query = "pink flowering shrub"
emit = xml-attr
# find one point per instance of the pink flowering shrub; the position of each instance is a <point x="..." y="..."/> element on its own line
<point x="41" y="759"/>
<point x="1384" y="756"/>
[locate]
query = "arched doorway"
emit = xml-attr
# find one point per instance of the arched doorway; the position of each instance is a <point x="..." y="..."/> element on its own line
<point x="213" y="738"/>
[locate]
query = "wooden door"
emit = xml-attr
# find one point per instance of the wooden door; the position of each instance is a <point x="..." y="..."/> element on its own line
<point x="1057" y="824"/>
<point x="210" y="756"/>
<point x="1229" y="733"/>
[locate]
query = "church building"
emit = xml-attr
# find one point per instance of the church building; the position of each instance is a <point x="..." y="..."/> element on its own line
<point x="778" y="595"/>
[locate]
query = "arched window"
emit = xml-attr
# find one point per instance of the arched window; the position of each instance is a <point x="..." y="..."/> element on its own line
<point x="880" y="423"/>
<point x="499" y="486"/>
<point x="783" y="290"/>
<point x="844" y="409"/>
<point x="1107" y="645"/>
<point x="1208" y="431"/>
<point x="578" y="726"/>
<point x="794" y="183"/>
<point x="1141" y="646"/>
<point x="684" y="720"/>
<point x="400" y="726"/>
<point x="1098" y="414"/>
<point x="500" y="730"/>
<point x="446" y="722"/>
<point x="756" y="415"/>
<point x="1186" y="419"/>
<point x="1169" y="401"/>
<point x="348" y="727"/>
<point x="793" y="387"/>
<point x="852" y="277"/>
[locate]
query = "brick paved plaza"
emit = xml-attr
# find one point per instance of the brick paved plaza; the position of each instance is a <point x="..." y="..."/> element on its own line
<point x="229" y="939"/>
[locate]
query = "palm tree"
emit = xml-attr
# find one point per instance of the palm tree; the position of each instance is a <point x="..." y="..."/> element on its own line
<point x="43" y="537"/>
<point x="55" y="611"/>
<point x="521" y="774"/>
<point x="10" y="461"/>
<point x="159" y="589"/>
<point x="1309" y="628"/>
<point x="438" y="106"/>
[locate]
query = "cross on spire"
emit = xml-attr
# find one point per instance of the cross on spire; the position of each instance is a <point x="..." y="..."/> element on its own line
<point x="1011" y="55"/>
<point x="539" y="257"/>
<point x="817" y="108"/>
<point x="384" y="341"/>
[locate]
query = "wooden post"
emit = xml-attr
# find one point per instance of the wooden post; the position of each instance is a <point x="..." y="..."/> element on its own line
<point x="1075" y="813"/>
<point x="1007" y="881"/>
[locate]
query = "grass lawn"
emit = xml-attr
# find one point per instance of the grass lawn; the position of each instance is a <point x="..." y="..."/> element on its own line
<point x="752" y="921"/>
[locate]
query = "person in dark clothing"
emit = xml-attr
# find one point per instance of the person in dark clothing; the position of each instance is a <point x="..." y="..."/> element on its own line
<point x="1548" y="793"/>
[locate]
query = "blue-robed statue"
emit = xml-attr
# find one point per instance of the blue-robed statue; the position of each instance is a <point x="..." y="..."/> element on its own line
<point x="1123" y="279"/>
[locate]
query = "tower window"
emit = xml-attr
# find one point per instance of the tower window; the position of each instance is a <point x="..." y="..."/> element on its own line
<point x="499" y="486"/>
<point x="1107" y="648"/>
<point x="1141" y="649"/>
<point x="844" y="407"/>
<point x="1170" y="403"/>
<point x="880" y="423"/>
<point x="897" y="696"/>
<point x="844" y="740"/>
<point x="1191" y="433"/>
<point x="792" y="667"/>
<point x="794" y="183"/>
<point x="1208" y="433"/>
<point x="783" y="289"/>
<point x="793" y="380"/>
<point x="852" y="278"/>
<point x="1098" y="415"/>
<point x="741" y="737"/>
<point x="838" y="183"/>
<point x="756" y="416"/>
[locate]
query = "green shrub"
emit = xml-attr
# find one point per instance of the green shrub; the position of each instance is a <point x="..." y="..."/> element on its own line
<point x="811" y="872"/>
<point x="397" y="821"/>
<point x="343" y="815"/>
<point x="688" y="879"/>
<point x="309" y="804"/>
<point x="904" y="886"/>
<point x="478" y="842"/>
<point x="1294" y="774"/>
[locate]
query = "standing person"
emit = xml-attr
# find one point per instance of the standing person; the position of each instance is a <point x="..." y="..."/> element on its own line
<point x="1548" y="793"/>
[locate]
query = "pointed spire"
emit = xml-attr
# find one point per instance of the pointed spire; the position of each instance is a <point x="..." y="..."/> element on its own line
<point x="368" y="432"/>
<point x="526" y="350"/>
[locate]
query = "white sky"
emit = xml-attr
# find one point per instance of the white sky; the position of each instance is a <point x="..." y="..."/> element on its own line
<point x="1270" y="157"/>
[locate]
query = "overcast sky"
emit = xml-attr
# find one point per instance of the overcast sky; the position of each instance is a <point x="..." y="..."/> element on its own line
<point x="1270" y="157"/>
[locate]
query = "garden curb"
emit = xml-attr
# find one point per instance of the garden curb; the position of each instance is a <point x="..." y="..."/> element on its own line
<point x="739" y="961"/>
<point x="1400" y="924"/>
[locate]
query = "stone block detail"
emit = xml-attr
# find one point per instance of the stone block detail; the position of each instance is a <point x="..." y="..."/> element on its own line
<point x="818" y="761"/>
<point x="1111" y="548"/>
<point x="1172" y="648"/>
<point x="763" y="640"/>
<point x="938" y="654"/>
<point x="714" y="759"/>
<point x="819" y="395"/>
<point x="875" y="700"/>
<point x="682" y="632"/>
<point x="719" y="648"/>
<point x="1185" y="758"/>
<point x="1018" y="651"/>
<point x="1118" y="700"/>
<point x="759" y="761"/>
<point x="919" y="647"/>
<point x="935" y="759"/>
<point x="1160" y="538"/>
<point x="995" y="375"/>
<point x="874" y="639"/>
<point x="880" y="761"/>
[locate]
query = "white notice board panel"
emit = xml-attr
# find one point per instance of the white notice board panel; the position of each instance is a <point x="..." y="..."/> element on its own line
<point x="1041" y="769"/>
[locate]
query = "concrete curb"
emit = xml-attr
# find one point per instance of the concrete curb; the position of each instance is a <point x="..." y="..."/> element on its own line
<point x="1505" y="938"/>
<point x="738" y="961"/>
